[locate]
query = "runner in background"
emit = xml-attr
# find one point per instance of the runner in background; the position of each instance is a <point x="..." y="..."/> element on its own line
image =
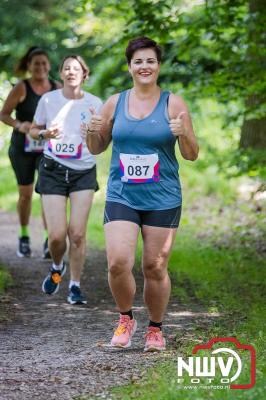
<point x="25" y="153"/>
<point x="67" y="170"/>
<point x="143" y="192"/>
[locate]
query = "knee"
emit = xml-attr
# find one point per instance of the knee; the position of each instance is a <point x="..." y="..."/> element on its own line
<point x="76" y="238"/>
<point x="56" y="238"/>
<point x="155" y="271"/>
<point x="118" y="266"/>
<point x="25" y="197"/>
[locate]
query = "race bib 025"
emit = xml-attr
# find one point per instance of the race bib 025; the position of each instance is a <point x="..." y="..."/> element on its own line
<point x="139" y="168"/>
<point x="66" y="148"/>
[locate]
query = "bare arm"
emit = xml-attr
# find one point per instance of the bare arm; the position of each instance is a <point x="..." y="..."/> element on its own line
<point x="15" y="96"/>
<point x="50" y="133"/>
<point x="99" y="133"/>
<point x="181" y="126"/>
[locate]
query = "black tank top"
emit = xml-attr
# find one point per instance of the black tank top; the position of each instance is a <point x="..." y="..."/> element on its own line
<point x="25" y="112"/>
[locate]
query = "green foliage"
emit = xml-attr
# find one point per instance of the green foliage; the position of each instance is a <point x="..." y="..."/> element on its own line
<point x="248" y="161"/>
<point x="31" y="22"/>
<point x="212" y="50"/>
<point x="5" y="279"/>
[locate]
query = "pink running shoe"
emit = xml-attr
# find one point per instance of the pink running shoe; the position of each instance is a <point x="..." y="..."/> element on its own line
<point x="154" y="340"/>
<point x="124" y="332"/>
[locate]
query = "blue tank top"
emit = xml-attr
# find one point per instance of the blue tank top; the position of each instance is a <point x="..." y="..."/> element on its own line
<point x="151" y="141"/>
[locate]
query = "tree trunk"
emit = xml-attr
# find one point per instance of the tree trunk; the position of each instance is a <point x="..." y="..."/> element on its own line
<point x="253" y="132"/>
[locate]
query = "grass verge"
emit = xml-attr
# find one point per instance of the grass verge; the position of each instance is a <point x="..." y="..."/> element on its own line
<point x="223" y="271"/>
<point x="5" y="279"/>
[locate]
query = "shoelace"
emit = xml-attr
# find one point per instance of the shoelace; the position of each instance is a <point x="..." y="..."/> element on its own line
<point x="153" y="335"/>
<point x="123" y="325"/>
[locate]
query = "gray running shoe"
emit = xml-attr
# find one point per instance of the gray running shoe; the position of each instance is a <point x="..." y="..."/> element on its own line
<point x="75" y="296"/>
<point x="24" y="249"/>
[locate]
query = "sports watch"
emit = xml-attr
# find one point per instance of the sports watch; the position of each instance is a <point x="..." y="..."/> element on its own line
<point x="41" y="134"/>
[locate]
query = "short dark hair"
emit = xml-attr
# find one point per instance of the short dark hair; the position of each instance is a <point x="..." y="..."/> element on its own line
<point x="22" y="65"/>
<point x="142" y="42"/>
<point x="83" y="65"/>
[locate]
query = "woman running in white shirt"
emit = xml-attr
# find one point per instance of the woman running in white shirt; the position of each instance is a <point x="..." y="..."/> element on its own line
<point x="68" y="169"/>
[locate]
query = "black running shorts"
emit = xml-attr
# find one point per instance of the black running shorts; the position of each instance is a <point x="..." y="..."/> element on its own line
<point x="24" y="165"/>
<point x="55" y="178"/>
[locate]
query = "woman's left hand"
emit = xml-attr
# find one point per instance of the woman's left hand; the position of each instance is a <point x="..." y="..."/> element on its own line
<point x="177" y="125"/>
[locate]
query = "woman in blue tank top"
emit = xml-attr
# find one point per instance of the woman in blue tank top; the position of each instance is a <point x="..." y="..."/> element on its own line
<point x="144" y="192"/>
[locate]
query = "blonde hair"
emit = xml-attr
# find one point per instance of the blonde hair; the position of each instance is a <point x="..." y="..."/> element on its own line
<point x="82" y="63"/>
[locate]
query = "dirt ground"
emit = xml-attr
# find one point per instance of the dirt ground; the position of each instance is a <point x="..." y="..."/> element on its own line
<point x="52" y="350"/>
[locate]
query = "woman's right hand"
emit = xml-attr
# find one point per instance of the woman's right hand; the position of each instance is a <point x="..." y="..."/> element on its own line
<point x="24" y="127"/>
<point x="53" y="132"/>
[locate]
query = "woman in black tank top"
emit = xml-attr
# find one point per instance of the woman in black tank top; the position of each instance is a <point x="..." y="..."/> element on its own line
<point x="24" y="153"/>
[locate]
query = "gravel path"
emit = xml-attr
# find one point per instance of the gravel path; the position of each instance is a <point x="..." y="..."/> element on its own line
<point x="52" y="350"/>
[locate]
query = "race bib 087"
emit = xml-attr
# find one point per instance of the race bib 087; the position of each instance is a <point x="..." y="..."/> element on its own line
<point x="139" y="168"/>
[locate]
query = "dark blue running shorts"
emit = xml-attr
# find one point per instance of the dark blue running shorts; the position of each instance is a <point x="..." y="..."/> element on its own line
<point x="161" y="218"/>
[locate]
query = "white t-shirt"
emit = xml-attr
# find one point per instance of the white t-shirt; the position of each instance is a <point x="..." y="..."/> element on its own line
<point x="71" y="149"/>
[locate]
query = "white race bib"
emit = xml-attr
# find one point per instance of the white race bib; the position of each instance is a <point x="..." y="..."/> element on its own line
<point x="67" y="147"/>
<point x="32" y="145"/>
<point x="139" y="168"/>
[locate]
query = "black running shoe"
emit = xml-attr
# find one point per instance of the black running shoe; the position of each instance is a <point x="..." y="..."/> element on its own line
<point x="75" y="296"/>
<point x="24" y="249"/>
<point x="46" y="253"/>
<point x="51" y="283"/>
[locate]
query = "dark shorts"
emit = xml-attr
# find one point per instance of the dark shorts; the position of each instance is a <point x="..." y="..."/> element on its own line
<point x="24" y="165"/>
<point x="55" y="178"/>
<point x="161" y="218"/>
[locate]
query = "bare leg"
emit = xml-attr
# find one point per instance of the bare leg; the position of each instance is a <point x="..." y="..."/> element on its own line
<point x="24" y="203"/>
<point x="43" y="218"/>
<point x="121" y="240"/>
<point x="54" y="207"/>
<point x="81" y="202"/>
<point x="157" y="286"/>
